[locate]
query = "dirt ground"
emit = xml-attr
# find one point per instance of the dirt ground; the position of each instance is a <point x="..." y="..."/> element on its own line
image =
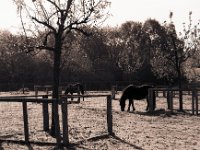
<point x="137" y="130"/>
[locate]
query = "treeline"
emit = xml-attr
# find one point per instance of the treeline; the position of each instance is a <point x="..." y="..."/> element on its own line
<point x="134" y="52"/>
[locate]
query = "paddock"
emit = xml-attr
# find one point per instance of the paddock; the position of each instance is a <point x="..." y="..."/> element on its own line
<point x="88" y="126"/>
<point x="62" y="135"/>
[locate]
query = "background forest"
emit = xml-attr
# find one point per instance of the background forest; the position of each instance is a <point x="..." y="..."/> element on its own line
<point x="134" y="52"/>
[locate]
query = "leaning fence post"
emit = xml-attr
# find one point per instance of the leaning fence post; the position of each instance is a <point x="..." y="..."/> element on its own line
<point x="109" y="115"/>
<point x="25" y="118"/>
<point x="45" y="111"/>
<point x="65" y="122"/>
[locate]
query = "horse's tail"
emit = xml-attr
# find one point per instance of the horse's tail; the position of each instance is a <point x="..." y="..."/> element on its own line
<point x="79" y="87"/>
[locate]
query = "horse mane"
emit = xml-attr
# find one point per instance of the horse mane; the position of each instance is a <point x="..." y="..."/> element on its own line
<point x="137" y="86"/>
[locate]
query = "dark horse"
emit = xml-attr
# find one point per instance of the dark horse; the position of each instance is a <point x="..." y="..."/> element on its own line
<point x="134" y="92"/>
<point x="74" y="88"/>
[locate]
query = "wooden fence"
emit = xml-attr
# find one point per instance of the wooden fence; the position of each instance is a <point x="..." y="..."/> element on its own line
<point x="170" y="95"/>
<point x="64" y="106"/>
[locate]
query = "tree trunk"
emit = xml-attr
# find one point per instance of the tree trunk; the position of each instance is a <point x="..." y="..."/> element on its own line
<point x="56" y="82"/>
<point x="180" y="91"/>
<point x="178" y="69"/>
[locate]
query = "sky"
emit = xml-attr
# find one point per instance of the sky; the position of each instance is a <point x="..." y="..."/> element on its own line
<point x="122" y="11"/>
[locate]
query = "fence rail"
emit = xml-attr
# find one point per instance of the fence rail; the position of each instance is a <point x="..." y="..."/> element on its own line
<point x="170" y="95"/>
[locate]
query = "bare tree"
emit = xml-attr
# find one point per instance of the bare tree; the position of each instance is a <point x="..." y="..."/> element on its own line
<point x="57" y="18"/>
<point x="181" y="48"/>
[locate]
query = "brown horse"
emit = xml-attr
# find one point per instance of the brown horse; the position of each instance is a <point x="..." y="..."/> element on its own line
<point x="132" y="92"/>
<point x="74" y="88"/>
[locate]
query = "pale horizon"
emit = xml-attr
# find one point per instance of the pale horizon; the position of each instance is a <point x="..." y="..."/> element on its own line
<point x="122" y="11"/>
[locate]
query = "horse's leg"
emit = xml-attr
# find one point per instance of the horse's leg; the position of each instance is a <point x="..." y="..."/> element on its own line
<point x="147" y="108"/>
<point x="132" y="102"/>
<point x="129" y="105"/>
<point x="72" y="97"/>
<point x="78" y="97"/>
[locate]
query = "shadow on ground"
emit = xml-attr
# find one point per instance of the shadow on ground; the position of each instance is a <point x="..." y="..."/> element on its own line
<point x="164" y="113"/>
<point x="106" y="136"/>
<point x="71" y="146"/>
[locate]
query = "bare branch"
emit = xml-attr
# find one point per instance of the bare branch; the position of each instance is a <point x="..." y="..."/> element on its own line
<point x="45" y="24"/>
<point x="45" y="47"/>
<point x="69" y="3"/>
<point x="54" y="4"/>
<point x="82" y="31"/>
<point x="46" y="37"/>
<point x="85" y="20"/>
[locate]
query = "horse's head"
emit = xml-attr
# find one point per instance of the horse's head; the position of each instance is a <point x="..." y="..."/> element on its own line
<point x="122" y="103"/>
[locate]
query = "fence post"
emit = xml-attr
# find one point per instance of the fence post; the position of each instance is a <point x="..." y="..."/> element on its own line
<point x="164" y="93"/>
<point x="36" y="91"/>
<point x="47" y="90"/>
<point x="156" y="93"/>
<point x="25" y="118"/>
<point x="23" y="88"/>
<point x="45" y="111"/>
<point x="56" y="122"/>
<point x="171" y="95"/>
<point x="150" y="99"/>
<point x="168" y="99"/>
<point x="193" y="101"/>
<point x="113" y="92"/>
<point x="109" y="115"/>
<point x="65" y="122"/>
<point x="197" y="103"/>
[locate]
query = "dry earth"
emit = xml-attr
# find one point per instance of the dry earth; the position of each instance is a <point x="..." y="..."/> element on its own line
<point x="87" y="127"/>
